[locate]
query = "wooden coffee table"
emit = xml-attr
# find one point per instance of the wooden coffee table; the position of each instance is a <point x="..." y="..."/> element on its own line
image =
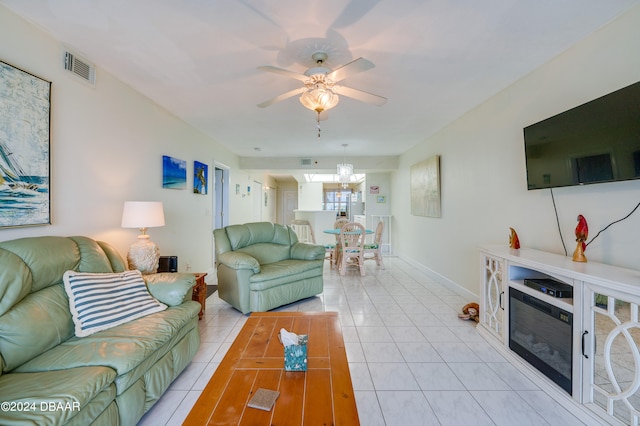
<point x="322" y="395"/>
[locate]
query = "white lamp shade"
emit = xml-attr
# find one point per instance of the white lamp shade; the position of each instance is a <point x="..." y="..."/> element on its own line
<point x="142" y="214"/>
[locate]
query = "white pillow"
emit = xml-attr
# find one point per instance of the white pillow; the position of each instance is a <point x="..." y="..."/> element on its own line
<point x="101" y="301"/>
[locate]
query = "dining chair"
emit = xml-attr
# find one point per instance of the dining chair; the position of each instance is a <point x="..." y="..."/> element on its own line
<point x="339" y="223"/>
<point x="373" y="251"/>
<point x="332" y="249"/>
<point x="351" y="247"/>
<point x="303" y="230"/>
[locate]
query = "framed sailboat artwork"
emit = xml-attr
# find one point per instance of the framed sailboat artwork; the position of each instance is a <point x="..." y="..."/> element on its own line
<point x="25" y="112"/>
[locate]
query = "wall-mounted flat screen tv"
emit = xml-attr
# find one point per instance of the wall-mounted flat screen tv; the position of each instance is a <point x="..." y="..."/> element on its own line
<point x="596" y="142"/>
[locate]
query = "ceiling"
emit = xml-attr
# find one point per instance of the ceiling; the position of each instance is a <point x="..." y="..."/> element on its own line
<point x="434" y="60"/>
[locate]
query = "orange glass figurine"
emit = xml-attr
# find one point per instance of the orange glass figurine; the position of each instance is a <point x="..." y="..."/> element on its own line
<point x="514" y="241"/>
<point x="582" y="232"/>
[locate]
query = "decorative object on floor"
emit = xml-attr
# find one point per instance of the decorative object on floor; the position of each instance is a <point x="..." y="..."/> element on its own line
<point x="174" y="173"/>
<point x="582" y="233"/>
<point x="143" y="255"/>
<point x="425" y="188"/>
<point x="470" y="311"/>
<point x="320" y="93"/>
<point x="200" y="177"/>
<point x="344" y="169"/>
<point x="514" y="241"/>
<point x="25" y="107"/>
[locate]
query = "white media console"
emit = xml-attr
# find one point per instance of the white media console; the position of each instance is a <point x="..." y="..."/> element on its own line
<point x="604" y="334"/>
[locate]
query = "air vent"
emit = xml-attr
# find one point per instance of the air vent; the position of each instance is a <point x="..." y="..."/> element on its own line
<point x="305" y="161"/>
<point x="80" y="67"/>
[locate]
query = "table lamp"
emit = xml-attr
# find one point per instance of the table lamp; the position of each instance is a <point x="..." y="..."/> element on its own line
<point x="144" y="253"/>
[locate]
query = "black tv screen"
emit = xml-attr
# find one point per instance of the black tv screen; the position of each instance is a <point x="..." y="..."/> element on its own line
<point x="598" y="141"/>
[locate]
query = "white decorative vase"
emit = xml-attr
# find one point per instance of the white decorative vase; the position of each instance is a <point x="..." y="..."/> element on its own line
<point x="144" y="255"/>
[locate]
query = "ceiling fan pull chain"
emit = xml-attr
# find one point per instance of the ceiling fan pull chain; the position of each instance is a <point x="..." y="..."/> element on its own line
<point x="318" y="124"/>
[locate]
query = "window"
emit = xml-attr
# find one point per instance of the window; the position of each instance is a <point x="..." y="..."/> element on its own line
<point x="337" y="200"/>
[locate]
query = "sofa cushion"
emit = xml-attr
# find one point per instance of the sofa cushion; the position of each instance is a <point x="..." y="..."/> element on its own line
<point x="39" y="322"/>
<point x="254" y="233"/>
<point x="170" y="288"/>
<point x="56" y="396"/>
<point x="101" y="301"/>
<point x="15" y="280"/>
<point x="283" y="272"/>
<point x="48" y="258"/>
<point x="123" y="348"/>
<point x="266" y="252"/>
<point x="306" y="251"/>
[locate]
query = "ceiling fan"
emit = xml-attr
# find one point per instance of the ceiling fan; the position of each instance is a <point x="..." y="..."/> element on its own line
<point x="320" y="91"/>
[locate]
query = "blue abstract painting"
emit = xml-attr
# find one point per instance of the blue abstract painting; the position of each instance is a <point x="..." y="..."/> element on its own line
<point x="25" y="103"/>
<point x="174" y="173"/>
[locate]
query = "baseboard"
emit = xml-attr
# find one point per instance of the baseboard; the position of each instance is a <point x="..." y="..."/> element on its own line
<point x="440" y="278"/>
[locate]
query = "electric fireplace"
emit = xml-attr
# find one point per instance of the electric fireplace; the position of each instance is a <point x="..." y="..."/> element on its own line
<point x="541" y="333"/>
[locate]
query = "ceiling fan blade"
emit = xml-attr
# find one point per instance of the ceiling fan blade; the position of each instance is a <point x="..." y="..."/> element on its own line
<point x="360" y="95"/>
<point x="282" y="97"/>
<point x="284" y="72"/>
<point x="353" y="67"/>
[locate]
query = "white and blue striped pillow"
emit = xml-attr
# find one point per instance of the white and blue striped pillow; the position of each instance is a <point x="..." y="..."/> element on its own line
<point x="101" y="301"/>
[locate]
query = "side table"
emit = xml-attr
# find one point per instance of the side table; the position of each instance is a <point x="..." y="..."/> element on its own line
<point x="200" y="292"/>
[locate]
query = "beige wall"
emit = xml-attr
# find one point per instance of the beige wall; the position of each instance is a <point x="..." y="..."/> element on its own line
<point x="107" y="144"/>
<point x="484" y="189"/>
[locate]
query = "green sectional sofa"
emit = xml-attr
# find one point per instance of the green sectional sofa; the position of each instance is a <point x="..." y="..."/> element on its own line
<point x="49" y="375"/>
<point x="262" y="266"/>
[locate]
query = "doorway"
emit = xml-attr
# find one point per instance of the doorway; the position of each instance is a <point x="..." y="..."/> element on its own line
<point x="221" y="197"/>
<point x="289" y="204"/>
<point x="256" y="193"/>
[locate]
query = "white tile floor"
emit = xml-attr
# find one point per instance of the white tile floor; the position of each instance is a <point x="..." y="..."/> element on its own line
<point x="412" y="360"/>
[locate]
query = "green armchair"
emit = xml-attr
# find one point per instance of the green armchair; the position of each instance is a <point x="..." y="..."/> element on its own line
<point x="262" y="266"/>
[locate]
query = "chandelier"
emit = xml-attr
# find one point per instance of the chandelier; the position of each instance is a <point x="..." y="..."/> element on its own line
<point x="344" y="169"/>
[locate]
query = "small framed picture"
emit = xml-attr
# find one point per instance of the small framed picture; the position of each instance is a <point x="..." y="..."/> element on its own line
<point x="382" y="199"/>
<point x="200" y="177"/>
<point x="174" y="173"/>
<point x="374" y="189"/>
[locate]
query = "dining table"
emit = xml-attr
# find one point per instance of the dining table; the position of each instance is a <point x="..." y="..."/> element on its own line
<point x="337" y="231"/>
<point x="336" y="249"/>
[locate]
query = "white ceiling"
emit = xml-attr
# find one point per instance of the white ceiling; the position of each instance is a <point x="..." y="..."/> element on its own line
<point x="434" y="60"/>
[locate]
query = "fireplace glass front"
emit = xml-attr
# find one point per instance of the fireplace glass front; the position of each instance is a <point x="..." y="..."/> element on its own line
<point x="541" y="334"/>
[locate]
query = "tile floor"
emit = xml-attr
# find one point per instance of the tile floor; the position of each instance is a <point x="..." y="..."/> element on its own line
<point x="412" y="361"/>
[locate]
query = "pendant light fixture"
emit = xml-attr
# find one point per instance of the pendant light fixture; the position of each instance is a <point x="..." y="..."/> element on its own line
<point x="344" y="169"/>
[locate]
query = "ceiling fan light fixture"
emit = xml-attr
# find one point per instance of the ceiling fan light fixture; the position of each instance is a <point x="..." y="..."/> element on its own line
<point x="319" y="96"/>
